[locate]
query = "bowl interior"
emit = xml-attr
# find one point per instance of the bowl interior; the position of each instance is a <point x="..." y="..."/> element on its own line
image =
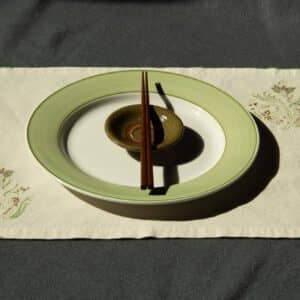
<point x="123" y="127"/>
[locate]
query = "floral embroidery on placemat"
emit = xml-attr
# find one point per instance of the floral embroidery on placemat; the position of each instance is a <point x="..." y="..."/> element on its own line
<point x="14" y="198"/>
<point x="279" y="105"/>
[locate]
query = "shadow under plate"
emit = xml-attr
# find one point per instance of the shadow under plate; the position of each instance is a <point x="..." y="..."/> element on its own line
<point x="242" y="191"/>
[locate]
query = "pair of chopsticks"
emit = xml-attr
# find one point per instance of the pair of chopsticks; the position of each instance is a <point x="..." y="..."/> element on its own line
<point x="146" y="143"/>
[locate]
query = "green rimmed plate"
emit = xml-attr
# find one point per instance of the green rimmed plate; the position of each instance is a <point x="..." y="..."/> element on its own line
<point x="66" y="135"/>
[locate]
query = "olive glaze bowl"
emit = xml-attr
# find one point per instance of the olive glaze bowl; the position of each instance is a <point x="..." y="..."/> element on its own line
<point x="123" y="127"/>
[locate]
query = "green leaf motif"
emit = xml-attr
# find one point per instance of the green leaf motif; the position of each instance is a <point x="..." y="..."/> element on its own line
<point x="21" y="208"/>
<point x="276" y="89"/>
<point x="290" y="90"/>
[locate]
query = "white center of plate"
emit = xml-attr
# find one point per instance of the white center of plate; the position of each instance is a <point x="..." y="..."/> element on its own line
<point x="95" y="154"/>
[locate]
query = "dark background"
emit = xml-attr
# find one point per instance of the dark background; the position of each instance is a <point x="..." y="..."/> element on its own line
<point x="150" y="33"/>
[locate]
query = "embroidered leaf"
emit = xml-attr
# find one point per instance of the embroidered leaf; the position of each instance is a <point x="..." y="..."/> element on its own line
<point x="266" y="97"/>
<point x="21" y="208"/>
<point x="276" y="88"/>
<point x="289" y="90"/>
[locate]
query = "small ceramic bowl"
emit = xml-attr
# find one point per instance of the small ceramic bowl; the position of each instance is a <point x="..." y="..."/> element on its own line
<point x="123" y="127"/>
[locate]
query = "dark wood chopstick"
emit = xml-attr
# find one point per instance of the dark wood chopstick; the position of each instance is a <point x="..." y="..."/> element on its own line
<point x="148" y="136"/>
<point x="143" y="158"/>
<point x="146" y="143"/>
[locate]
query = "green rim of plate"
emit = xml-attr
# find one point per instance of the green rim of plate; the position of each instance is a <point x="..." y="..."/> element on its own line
<point x="44" y="134"/>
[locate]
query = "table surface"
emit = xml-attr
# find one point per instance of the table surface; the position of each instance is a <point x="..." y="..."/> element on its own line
<point x="150" y="33"/>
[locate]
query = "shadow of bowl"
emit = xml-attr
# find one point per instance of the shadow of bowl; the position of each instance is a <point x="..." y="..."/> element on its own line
<point x="242" y="191"/>
<point x="187" y="149"/>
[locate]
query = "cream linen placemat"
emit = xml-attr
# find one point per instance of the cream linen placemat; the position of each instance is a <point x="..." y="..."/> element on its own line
<point x="34" y="205"/>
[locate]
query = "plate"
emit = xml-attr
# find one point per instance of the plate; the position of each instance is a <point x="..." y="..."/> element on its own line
<point x="66" y="135"/>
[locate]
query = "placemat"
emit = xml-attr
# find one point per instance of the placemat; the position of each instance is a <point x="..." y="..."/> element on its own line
<point x="263" y="203"/>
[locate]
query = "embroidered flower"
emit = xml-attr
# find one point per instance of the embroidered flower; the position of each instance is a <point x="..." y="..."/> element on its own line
<point x="13" y="197"/>
<point x="279" y="105"/>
